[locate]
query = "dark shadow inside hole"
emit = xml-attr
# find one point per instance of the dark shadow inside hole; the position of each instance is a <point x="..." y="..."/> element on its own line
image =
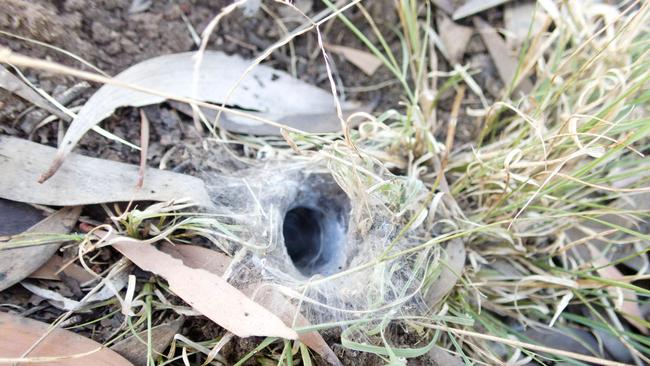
<point x="303" y="237"/>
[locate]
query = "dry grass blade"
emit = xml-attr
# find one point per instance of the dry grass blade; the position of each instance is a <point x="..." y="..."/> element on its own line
<point x="84" y="180"/>
<point x="60" y="348"/>
<point x="208" y="293"/>
<point x="18" y="263"/>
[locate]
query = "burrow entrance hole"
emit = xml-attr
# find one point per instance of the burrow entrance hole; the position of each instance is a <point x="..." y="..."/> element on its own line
<point x="314" y="230"/>
<point x="303" y="237"/>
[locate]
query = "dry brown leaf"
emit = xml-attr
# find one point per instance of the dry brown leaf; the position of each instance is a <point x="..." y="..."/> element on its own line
<point x="593" y="249"/>
<point x="629" y="202"/>
<point x="279" y="305"/>
<point x="13" y="84"/>
<point x="519" y="18"/>
<point x="472" y="7"/>
<point x="198" y="257"/>
<point x="18" y="334"/>
<point x="18" y="263"/>
<point x="451" y="272"/>
<point x="108" y="290"/>
<point x="564" y="338"/>
<point x="217" y="263"/>
<point x="442" y="357"/>
<point x="206" y="292"/>
<point x="445" y="5"/>
<point x="266" y="92"/>
<point x="454" y="37"/>
<point x="629" y="306"/>
<point x="506" y="64"/>
<point x="57" y="267"/>
<point x="311" y="123"/>
<point x="16" y="217"/>
<point x="135" y="351"/>
<point x="365" y="61"/>
<point x="84" y="180"/>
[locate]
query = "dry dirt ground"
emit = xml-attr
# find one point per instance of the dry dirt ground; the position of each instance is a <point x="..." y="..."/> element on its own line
<point x="104" y="33"/>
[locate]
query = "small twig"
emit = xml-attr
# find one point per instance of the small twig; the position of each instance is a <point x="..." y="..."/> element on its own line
<point x="144" y="147"/>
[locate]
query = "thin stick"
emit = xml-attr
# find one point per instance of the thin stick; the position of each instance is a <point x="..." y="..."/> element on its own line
<point x="144" y="147"/>
<point x="453" y="120"/>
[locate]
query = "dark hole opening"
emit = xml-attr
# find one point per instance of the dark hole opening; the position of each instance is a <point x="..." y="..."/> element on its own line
<point x="303" y="237"/>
